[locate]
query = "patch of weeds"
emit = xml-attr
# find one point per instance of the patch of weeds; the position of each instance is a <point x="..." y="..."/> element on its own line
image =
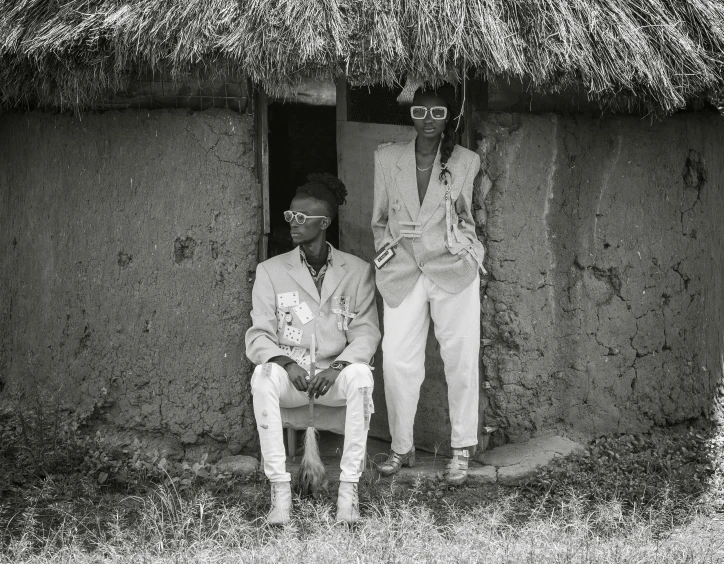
<point x="666" y="471"/>
<point x="55" y="478"/>
<point x="39" y="438"/>
<point x="138" y="464"/>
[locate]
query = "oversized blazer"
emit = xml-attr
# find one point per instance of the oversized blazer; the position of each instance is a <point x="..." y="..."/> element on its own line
<point x="347" y="277"/>
<point x="396" y="203"/>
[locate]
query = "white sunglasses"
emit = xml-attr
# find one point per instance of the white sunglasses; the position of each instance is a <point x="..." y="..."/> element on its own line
<point x="290" y="215"/>
<point x="436" y="112"/>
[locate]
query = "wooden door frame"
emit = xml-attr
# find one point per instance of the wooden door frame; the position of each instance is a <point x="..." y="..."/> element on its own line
<point x="261" y="113"/>
<point x="475" y="102"/>
<point x="475" y="97"/>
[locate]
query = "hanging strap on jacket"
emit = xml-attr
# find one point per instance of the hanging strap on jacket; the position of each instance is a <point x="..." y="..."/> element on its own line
<point x="453" y="233"/>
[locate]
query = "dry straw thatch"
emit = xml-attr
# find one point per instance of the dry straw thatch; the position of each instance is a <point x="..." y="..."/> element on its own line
<point x="66" y="54"/>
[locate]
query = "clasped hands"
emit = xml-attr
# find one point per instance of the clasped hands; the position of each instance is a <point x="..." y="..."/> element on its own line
<point x="317" y="386"/>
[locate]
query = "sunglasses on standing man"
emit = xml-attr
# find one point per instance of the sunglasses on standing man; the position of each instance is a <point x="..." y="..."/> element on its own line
<point x="436" y="112"/>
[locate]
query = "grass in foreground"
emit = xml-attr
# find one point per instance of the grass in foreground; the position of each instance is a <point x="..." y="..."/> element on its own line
<point x="649" y="498"/>
<point x="399" y="526"/>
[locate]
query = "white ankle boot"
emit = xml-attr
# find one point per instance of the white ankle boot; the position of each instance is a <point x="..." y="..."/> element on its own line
<point x="347" y="503"/>
<point x="281" y="498"/>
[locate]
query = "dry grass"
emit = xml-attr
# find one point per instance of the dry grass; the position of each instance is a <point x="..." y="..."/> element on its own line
<point x="634" y="499"/>
<point x="654" y="52"/>
<point x="162" y="526"/>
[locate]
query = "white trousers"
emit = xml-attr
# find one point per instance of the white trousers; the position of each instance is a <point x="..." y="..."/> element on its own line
<point x="274" y="390"/>
<point x="456" y="321"/>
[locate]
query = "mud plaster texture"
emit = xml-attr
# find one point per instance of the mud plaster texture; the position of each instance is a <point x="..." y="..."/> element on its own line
<point x="126" y="245"/>
<point x="603" y="311"/>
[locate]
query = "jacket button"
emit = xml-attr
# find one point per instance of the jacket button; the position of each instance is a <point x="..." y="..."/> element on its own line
<point x="421" y="264"/>
<point x="321" y="314"/>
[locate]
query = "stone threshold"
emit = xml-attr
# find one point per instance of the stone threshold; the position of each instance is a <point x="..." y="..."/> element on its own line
<point x="509" y="465"/>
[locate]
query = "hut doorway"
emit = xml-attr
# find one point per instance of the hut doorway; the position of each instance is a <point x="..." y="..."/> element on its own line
<point x="302" y="140"/>
<point x="296" y="136"/>
<point x="316" y="132"/>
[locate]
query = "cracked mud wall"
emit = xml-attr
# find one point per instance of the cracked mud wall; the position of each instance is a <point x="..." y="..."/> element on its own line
<point x="126" y="242"/>
<point x="604" y="310"/>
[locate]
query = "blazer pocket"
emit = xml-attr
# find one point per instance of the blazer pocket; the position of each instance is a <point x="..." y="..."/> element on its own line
<point x="459" y="242"/>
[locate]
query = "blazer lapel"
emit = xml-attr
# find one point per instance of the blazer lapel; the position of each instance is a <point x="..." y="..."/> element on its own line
<point x="435" y="192"/>
<point x="301" y="276"/>
<point x="333" y="277"/>
<point x="407" y="180"/>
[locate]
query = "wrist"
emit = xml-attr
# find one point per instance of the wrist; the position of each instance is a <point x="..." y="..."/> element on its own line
<point x="283" y="361"/>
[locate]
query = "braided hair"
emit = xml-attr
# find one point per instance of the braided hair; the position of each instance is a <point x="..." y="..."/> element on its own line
<point x="326" y="188"/>
<point x="453" y="128"/>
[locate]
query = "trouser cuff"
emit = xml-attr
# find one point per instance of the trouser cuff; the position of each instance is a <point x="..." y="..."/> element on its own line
<point x="468" y="443"/>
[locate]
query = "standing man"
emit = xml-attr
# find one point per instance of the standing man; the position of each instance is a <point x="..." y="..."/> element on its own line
<point x="313" y="290"/>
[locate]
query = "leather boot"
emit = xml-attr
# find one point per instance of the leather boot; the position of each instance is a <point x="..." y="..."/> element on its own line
<point x="396" y="461"/>
<point x="456" y="472"/>
<point x="347" y="503"/>
<point x="281" y="498"/>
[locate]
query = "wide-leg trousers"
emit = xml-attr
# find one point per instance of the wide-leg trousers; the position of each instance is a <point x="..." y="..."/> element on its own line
<point x="456" y="322"/>
<point x="273" y="389"/>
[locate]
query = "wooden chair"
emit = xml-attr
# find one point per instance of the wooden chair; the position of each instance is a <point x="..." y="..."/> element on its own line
<point x="326" y="418"/>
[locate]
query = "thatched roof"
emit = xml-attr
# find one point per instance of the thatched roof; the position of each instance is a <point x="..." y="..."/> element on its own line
<point x="68" y="53"/>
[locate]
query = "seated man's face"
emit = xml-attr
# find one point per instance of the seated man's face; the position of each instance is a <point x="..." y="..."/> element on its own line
<point x="312" y="227"/>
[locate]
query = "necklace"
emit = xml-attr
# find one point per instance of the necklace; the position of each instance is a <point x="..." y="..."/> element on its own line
<point x="428" y="168"/>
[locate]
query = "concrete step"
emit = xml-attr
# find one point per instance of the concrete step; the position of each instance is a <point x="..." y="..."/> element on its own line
<point x="509" y="464"/>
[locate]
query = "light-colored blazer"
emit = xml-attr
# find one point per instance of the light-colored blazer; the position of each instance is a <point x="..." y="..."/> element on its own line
<point x="452" y="267"/>
<point x="347" y="276"/>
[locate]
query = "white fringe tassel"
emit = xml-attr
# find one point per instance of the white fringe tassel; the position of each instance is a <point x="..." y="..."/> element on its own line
<point x="312" y="475"/>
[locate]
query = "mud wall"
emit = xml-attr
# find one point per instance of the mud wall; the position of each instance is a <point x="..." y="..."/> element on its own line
<point x="604" y="310"/>
<point x="127" y="240"/>
<point x="126" y="245"/>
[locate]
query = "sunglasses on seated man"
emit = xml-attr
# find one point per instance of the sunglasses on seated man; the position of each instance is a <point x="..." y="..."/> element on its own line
<point x="436" y="112"/>
<point x="290" y="215"/>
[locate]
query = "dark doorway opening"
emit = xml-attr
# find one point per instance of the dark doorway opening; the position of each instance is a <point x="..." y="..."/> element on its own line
<point x="302" y="140"/>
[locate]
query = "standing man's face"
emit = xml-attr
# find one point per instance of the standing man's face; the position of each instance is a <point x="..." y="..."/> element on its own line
<point x="312" y="227"/>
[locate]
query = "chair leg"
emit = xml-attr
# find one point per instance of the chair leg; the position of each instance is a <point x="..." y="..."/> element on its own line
<point x="291" y="442"/>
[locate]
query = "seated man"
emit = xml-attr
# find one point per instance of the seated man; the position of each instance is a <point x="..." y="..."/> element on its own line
<point x="313" y="290"/>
